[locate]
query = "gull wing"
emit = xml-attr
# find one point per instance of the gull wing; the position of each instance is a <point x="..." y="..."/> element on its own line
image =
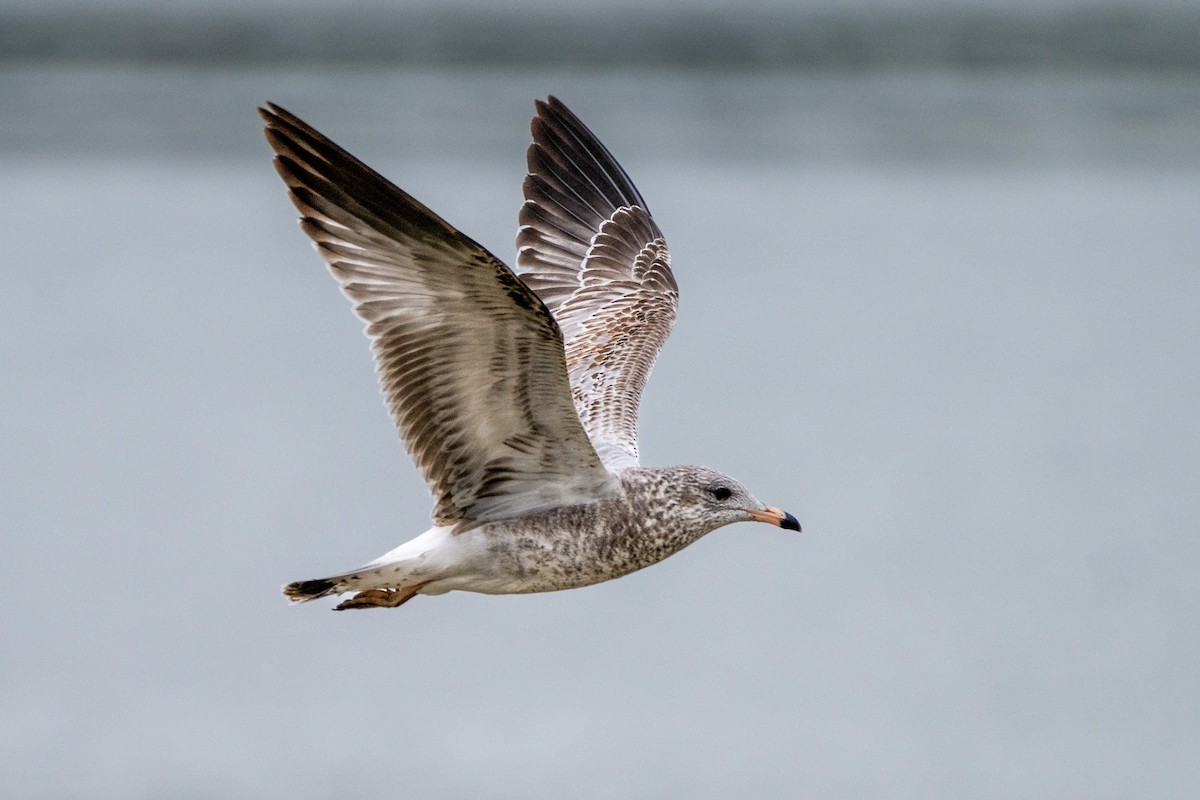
<point x="590" y="249"/>
<point x="470" y="360"/>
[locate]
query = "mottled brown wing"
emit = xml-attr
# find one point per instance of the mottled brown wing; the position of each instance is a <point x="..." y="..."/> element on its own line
<point x="588" y="246"/>
<point x="470" y="360"/>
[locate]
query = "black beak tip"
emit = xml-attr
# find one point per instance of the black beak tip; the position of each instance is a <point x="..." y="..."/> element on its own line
<point x="789" y="523"/>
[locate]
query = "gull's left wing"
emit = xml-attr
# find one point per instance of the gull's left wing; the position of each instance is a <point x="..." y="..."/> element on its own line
<point x="470" y="360"/>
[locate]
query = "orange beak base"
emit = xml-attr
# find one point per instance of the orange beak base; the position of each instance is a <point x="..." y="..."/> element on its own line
<point x="776" y="516"/>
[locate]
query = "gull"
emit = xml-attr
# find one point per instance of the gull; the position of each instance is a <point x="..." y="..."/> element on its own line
<point x="516" y="393"/>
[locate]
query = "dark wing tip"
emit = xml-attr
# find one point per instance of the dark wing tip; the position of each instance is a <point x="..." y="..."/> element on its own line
<point x="568" y="154"/>
<point x="273" y="114"/>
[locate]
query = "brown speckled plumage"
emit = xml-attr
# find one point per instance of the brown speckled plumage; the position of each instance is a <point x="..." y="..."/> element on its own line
<point x="517" y="396"/>
<point x="657" y="513"/>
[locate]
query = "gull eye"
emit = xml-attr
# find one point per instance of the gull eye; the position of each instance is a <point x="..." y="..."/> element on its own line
<point x="722" y="493"/>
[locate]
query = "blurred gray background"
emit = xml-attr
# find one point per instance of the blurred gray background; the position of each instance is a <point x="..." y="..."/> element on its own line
<point x="941" y="300"/>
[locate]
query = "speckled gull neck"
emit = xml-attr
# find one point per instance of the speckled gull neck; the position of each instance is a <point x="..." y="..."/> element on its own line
<point x="516" y="393"/>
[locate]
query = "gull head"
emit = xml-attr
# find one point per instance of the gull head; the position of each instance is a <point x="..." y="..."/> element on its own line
<point x="714" y="499"/>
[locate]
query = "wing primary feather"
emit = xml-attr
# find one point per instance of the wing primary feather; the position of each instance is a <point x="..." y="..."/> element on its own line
<point x="596" y="152"/>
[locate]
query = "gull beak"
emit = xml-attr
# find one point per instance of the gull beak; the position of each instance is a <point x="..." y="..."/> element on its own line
<point x="775" y="516"/>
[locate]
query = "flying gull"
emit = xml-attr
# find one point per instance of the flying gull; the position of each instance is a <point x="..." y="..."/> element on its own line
<point x="516" y="394"/>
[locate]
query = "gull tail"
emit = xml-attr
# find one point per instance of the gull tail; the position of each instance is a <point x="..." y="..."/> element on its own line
<point x="372" y="577"/>
<point x="386" y="582"/>
<point x="303" y="591"/>
<point x="390" y="595"/>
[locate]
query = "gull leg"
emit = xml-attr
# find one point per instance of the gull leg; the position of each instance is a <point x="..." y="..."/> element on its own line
<point x="379" y="598"/>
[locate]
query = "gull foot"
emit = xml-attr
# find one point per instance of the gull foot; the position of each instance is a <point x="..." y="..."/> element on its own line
<point x="378" y="598"/>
